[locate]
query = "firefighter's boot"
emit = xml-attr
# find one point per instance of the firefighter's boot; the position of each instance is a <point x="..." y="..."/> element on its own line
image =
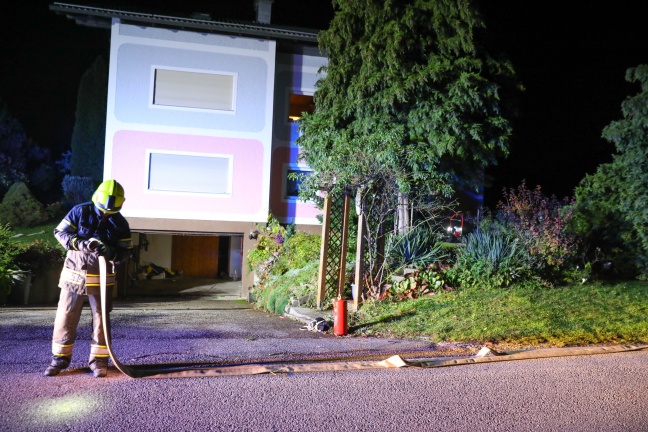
<point x="57" y="364"/>
<point x="99" y="368"/>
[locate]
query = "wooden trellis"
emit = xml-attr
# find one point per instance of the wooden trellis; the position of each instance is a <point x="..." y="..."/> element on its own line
<point x="335" y="230"/>
<point x="335" y="233"/>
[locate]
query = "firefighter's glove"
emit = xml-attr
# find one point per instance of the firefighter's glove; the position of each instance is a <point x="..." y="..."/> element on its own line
<point x="106" y="251"/>
<point x="87" y="246"/>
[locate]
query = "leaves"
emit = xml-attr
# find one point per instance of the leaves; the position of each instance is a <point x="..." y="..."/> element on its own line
<point x="406" y="87"/>
<point x="541" y="222"/>
<point x="611" y="204"/>
<point x="417" y="247"/>
<point x="492" y="259"/>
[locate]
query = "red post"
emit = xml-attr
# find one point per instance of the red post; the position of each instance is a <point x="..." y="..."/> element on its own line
<point x="339" y="317"/>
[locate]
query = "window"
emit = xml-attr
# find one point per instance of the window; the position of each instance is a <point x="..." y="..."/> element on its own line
<point x="173" y="172"/>
<point x="299" y="104"/>
<point x="292" y="185"/>
<point x="202" y="90"/>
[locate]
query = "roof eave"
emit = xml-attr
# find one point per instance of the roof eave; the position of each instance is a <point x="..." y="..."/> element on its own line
<point x="102" y="18"/>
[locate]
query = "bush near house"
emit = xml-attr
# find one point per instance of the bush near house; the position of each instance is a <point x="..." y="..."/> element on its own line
<point x="27" y="249"/>
<point x="8" y="251"/>
<point x="269" y="242"/>
<point x="285" y="264"/>
<point x="19" y="208"/>
<point x="540" y="222"/>
<point x="298" y="283"/>
<point x="514" y="280"/>
<point x="524" y="242"/>
<point x="78" y="189"/>
<point x="40" y="256"/>
<point x="26" y="239"/>
<point x="493" y="259"/>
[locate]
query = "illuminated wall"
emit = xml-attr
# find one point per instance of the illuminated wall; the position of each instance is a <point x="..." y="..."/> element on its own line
<point x="297" y="74"/>
<point x="178" y="157"/>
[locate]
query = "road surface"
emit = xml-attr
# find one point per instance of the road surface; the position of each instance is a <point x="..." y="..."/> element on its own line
<point x="585" y="393"/>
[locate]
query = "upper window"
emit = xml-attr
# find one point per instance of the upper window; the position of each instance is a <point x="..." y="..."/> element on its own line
<point x="213" y="91"/>
<point x="300" y="103"/>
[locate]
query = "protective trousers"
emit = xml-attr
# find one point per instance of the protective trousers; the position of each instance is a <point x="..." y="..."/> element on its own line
<point x="68" y="314"/>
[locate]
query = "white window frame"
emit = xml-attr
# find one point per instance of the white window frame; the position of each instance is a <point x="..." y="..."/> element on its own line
<point x="153" y="83"/>
<point x="230" y="174"/>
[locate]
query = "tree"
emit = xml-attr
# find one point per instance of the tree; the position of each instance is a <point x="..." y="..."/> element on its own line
<point x="607" y="235"/>
<point x="408" y="108"/>
<point x="405" y="88"/>
<point x="612" y="204"/>
<point x="13" y="144"/>
<point x="89" y="134"/>
<point x="630" y="136"/>
<point x="21" y="158"/>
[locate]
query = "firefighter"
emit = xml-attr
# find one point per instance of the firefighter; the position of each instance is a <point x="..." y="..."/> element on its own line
<point x="89" y="230"/>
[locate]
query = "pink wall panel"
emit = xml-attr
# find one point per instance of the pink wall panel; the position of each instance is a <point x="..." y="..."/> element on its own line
<point x="129" y="162"/>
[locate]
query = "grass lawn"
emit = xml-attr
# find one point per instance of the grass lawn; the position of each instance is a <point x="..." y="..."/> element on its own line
<point x="44" y="233"/>
<point x="590" y="314"/>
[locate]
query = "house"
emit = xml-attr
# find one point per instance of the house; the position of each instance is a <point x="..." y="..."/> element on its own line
<point x="200" y="131"/>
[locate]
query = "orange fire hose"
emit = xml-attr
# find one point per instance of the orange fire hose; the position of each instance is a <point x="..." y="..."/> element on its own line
<point x="486" y="355"/>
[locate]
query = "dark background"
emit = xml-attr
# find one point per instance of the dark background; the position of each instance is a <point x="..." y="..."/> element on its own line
<point x="571" y="56"/>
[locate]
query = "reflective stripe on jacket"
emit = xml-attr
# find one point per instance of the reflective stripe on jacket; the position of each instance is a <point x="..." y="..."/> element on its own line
<point x="80" y="273"/>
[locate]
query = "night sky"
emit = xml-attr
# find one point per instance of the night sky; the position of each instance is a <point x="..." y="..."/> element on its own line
<point x="571" y="56"/>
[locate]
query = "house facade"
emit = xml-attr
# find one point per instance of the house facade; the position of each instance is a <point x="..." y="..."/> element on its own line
<point x="200" y="130"/>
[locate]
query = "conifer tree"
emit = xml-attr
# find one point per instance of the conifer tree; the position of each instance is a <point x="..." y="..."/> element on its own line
<point x="611" y="209"/>
<point x="406" y="93"/>
<point x="89" y="134"/>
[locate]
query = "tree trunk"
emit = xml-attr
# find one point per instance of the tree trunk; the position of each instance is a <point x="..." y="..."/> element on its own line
<point x="403" y="221"/>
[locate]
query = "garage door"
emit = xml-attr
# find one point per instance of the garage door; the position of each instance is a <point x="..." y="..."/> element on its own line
<point x="196" y="256"/>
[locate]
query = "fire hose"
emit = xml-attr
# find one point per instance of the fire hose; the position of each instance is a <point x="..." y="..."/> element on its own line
<point x="485" y="355"/>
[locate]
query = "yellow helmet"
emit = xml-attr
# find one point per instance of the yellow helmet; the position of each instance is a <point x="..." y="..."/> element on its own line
<point x="109" y="197"/>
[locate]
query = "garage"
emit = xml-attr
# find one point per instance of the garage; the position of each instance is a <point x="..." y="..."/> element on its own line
<point x="198" y="259"/>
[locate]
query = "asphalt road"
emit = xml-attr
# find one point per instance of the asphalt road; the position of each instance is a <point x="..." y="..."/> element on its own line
<point x="585" y="393"/>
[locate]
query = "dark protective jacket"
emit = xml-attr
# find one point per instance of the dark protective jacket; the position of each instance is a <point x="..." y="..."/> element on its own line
<point x="80" y="272"/>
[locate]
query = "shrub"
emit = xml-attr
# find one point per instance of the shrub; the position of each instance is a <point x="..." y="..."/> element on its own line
<point x="610" y="243"/>
<point x="45" y="183"/>
<point x="299" y="250"/>
<point x="39" y="255"/>
<point x="277" y="299"/>
<point x="270" y="240"/>
<point x="416" y="284"/>
<point x="20" y="208"/>
<point x="286" y="264"/>
<point x="78" y="189"/>
<point x="540" y="223"/>
<point x="8" y="251"/>
<point x="418" y="248"/>
<point x="630" y="138"/>
<point x="277" y="290"/>
<point x="492" y="259"/>
<point x="56" y="210"/>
